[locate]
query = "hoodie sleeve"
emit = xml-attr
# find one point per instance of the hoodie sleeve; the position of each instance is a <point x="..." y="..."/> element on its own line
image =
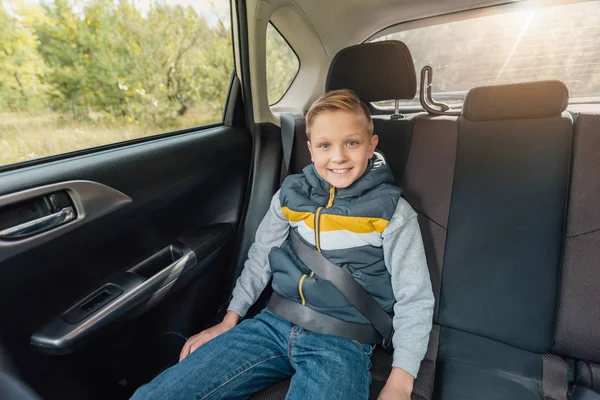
<point x="413" y="311"/>
<point x="272" y="232"/>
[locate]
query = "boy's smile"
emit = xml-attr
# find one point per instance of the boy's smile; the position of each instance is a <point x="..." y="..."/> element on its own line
<point x="340" y="147"/>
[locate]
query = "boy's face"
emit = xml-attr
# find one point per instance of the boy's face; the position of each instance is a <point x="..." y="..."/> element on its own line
<point x="340" y="147"/>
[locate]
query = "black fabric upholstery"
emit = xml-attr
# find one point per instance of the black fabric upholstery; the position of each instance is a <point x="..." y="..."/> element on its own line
<point x="588" y="374"/>
<point x="471" y="367"/>
<point x="424" y="384"/>
<point x="505" y="230"/>
<point x="578" y="324"/>
<point x="300" y="153"/>
<point x="529" y="100"/>
<point x="430" y="168"/>
<point x="375" y="71"/>
<point x="274" y="392"/>
<point x="395" y="138"/>
<point x="427" y="185"/>
<point x="583" y="393"/>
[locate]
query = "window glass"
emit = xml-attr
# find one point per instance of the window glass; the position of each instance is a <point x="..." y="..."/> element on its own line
<point x="559" y="42"/>
<point x="79" y="74"/>
<point x="282" y="65"/>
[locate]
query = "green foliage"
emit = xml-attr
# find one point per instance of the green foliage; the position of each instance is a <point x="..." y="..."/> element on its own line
<point x="282" y="65"/>
<point x="22" y="68"/>
<point x="103" y="60"/>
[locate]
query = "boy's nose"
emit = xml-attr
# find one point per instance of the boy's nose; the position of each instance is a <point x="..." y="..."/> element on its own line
<point x="339" y="155"/>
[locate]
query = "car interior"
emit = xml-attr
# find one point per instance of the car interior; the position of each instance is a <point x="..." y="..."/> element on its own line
<point x="111" y="257"/>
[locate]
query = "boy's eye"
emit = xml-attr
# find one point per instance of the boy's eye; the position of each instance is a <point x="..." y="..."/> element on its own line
<point x="352" y="143"/>
<point x="324" y="145"/>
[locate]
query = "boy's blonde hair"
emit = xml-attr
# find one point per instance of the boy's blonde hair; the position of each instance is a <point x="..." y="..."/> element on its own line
<point x="340" y="100"/>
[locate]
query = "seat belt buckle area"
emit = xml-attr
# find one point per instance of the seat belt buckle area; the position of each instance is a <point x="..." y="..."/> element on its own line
<point x="386" y="343"/>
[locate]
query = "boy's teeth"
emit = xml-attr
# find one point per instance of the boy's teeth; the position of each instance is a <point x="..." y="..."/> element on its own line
<point x="340" y="171"/>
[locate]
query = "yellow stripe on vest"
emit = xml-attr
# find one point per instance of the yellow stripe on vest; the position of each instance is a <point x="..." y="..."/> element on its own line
<point x="331" y="222"/>
<point x="295" y="216"/>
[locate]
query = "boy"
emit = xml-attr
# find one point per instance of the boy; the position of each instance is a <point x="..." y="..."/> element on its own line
<point x="344" y="206"/>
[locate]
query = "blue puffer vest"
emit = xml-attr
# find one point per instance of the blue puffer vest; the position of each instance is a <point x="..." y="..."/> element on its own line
<point x="346" y="226"/>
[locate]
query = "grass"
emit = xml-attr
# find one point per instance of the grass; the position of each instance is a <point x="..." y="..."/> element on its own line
<point x="25" y="136"/>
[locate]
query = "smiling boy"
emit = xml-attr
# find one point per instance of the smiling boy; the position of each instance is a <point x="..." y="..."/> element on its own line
<point x="344" y="205"/>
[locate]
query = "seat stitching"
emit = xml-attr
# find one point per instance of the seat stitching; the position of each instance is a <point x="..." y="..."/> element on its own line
<point x="429" y="218"/>
<point x="584" y="233"/>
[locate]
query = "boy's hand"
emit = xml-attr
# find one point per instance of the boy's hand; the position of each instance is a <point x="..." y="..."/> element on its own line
<point x="398" y="386"/>
<point x="231" y="319"/>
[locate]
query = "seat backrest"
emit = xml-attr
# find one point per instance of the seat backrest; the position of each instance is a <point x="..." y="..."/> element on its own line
<point x="490" y="188"/>
<point x="578" y="320"/>
<point x="427" y="184"/>
<point x="507" y="213"/>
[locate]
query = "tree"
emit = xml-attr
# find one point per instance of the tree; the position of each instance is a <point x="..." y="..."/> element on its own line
<point x="21" y="66"/>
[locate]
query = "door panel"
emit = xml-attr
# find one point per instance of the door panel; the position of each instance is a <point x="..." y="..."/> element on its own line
<point x="186" y="194"/>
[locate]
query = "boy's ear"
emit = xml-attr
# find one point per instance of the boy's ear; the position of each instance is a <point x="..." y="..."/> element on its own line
<point x="373" y="145"/>
<point x="309" y="150"/>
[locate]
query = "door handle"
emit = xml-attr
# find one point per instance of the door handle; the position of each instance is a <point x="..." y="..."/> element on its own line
<point x="39" y="225"/>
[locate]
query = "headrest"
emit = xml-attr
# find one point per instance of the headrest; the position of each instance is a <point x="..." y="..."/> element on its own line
<point x="375" y="71"/>
<point x="528" y="100"/>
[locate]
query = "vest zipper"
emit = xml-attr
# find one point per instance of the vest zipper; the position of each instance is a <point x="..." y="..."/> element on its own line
<point x="318" y="218"/>
<point x="317" y="234"/>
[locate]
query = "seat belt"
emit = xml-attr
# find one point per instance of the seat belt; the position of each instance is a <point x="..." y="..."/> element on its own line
<point x="288" y="123"/>
<point x="555" y="377"/>
<point x="349" y="288"/>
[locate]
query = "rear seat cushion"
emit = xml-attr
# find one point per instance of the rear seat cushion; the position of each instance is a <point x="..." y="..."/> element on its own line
<point x="472" y="367"/>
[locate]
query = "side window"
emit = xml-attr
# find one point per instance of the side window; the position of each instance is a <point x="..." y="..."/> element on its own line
<point x="282" y="65"/>
<point x="75" y="75"/>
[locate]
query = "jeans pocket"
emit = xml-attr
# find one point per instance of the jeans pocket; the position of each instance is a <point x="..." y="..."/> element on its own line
<point x="266" y="309"/>
<point x="366" y="348"/>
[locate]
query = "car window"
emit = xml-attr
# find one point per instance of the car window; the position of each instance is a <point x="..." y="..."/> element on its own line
<point x="558" y="42"/>
<point x="282" y="65"/>
<point x="75" y="75"/>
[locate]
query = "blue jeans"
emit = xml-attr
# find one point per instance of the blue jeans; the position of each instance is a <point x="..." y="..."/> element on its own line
<point x="261" y="351"/>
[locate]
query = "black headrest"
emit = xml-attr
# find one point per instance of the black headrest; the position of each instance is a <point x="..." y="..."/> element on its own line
<point x="528" y="100"/>
<point x="375" y="71"/>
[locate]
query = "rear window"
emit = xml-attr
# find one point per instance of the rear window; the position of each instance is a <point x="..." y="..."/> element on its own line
<point x="559" y="42"/>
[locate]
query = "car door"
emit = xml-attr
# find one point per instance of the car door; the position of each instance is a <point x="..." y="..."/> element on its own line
<point x="111" y="255"/>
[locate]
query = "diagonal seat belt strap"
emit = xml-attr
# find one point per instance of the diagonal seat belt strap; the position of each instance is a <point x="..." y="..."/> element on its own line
<point x="347" y="286"/>
<point x="555" y="377"/>
<point x="287" y="138"/>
